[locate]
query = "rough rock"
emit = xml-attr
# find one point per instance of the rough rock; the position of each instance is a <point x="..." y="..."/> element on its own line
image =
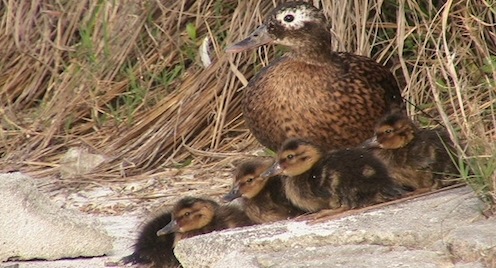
<point x="474" y="242"/>
<point x="78" y="161"/>
<point x="433" y="231"/>
<point x="32" y="227"/>
<point x="352" y="256"/>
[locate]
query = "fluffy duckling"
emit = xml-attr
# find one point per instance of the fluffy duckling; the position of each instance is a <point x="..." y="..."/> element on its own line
<point x="151" y="250"/>
<point x="416" y="158"/>
<point x="335" y="181"/>
<point x="331" y="99"/>
<point x="190" y="216"/>
<point x="193" y="216"/>
<point x="263" y="199"/>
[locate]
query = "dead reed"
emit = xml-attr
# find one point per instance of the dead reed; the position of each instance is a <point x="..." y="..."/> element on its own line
<point x="123" y="78"/>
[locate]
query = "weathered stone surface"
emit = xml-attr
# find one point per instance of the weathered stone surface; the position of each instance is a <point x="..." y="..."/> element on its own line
<point x="409" y="234"/>
<point x="31" y="227"/>
<point x="352" y="256"/>
<point x="474" y="242"/>
<point x="78" y="161"/>
<point x="356" y="256"/>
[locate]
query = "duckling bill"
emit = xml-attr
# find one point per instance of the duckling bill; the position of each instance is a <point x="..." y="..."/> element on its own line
<point x="418" y="159"/>
<point x="150" y="250"/>
<point x="337" y="180"/>
<point x="190" y="216"/>
<point x="332" y="99"/>
<point x="193" y="216"/>
<point x="263" y="200"/>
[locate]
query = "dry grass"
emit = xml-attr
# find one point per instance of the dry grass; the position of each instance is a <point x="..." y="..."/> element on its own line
<point x="123" y="79"/>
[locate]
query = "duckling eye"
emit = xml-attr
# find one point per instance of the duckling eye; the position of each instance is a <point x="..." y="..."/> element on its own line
<point x="387" y="131"/>
<point x="249" y="180"/>
<point x="186" y="214"/>
<point x="290" y="156"/>
<point x="289" y="18"/>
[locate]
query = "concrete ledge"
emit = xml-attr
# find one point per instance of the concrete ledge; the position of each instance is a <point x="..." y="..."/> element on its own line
<point x="408" y="234"/>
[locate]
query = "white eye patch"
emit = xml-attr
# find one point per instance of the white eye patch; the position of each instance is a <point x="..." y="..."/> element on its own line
<point x="294" y="18"/>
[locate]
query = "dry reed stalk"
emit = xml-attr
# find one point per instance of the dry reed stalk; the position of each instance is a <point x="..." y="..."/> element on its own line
<point x="95" y="74"/>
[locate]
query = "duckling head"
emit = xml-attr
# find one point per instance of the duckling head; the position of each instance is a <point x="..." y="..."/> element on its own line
<point x="190" y="214"/>
<point x="295" y="157"/>
<point x="248" y="181"/>
<point x="297" y="25"/>
<point x="394" y="131"/>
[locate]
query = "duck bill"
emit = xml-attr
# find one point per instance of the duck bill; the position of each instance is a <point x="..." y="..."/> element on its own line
<point x="372" y="143"/>
<point x="171" y="227"/>
<point x="274" y="170"/>
<point x="259" y="37"/>
<point x="233" y="194"/>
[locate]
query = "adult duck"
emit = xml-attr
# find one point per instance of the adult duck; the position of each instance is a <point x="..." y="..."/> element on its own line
<point x="330" y="98"/>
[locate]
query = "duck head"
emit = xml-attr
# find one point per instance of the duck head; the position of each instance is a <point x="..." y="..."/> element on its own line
<point x="394" y="131"/>
<point x="294" y="158"/>
<point x="190" y="214"/>
<point x="297" y="25"/>
<point x="248" y="181"/>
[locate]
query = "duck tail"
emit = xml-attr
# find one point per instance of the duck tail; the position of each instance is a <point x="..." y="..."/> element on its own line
<point x="151" y="249"/>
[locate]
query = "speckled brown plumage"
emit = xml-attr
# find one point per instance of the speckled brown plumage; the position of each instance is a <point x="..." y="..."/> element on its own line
<point x="192" y="216"/>
<point x="341" y="179"/>
<point x="329" y="98"/>
<point x="416" y="158"/>
<point x="263" y="199"/>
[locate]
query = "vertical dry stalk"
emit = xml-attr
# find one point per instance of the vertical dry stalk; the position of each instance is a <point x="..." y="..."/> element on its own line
<point x="122" y="77"/>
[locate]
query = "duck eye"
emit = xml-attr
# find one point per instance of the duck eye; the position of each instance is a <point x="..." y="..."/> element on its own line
<point x="290" y="156"/>
<point x="186" y="214"/>
<point x="249" y="180"/>
<point x="289" y="18"/>
<point x="387" y="131"/>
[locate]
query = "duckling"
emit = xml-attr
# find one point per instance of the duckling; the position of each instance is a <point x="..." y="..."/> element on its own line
<point x="331" y="99"/>
<point x="263" y="199"/>
<point x="192" y="216"/>
<point x="418" y="159"/>
<point x="151" y="250"/>
<point x="334" y="181"/>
